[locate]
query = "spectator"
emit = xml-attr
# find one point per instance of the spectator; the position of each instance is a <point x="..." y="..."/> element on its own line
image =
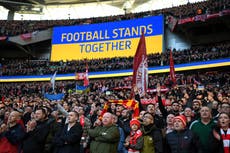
<point x="169" y="122"/>
<point x="121" y="148"/>
<point x="106" y="137"/>
<point x="35" y="137"/>
<point x="11" y="137"/>
<point x="203" y="128"/>
<point x="196" y="108"/>
<point x="141" y="115"/>
<point x="55" y="126"/>
<point x="175" y="108"/>
<point x="181" y="139"/>
<point x="124" y="121"/>
<point x="221" y="134"/>
<point x="158" y="120"/>
<point x="68" y="140"/>
<point x="224" y="108"/>
<point x="153" y="139"/>
<point x="189" y="116"/>
<point x="134" y="142"/>
<point x="27" y="114"/>
<point x="86" y="124"/>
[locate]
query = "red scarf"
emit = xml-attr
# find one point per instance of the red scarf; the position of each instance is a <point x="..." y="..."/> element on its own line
<point x="226" y="140"/>
<point x="134" y="135"/>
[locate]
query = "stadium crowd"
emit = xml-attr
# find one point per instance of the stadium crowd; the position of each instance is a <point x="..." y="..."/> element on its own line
<point x="189" y="117"/>
<point x="188" y="10"/>
<point x="193" y="114"/>
<point x="10" y="67"/>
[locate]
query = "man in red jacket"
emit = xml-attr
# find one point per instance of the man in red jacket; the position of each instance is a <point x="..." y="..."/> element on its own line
<point x="11" y="137"/>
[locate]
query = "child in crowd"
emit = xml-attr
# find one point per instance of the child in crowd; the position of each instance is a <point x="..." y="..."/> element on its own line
<point x="134" y="142"/>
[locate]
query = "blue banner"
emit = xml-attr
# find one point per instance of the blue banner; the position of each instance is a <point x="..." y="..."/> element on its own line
<point x="54" y="96"/>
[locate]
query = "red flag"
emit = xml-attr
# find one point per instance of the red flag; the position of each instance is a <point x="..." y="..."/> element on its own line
<point x="140" y="68"/>
<point x="172" y="70"/>
<point x="86" y="77"/>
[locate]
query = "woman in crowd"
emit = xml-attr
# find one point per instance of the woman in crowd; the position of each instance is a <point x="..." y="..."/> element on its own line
<point x="221" y="134"/>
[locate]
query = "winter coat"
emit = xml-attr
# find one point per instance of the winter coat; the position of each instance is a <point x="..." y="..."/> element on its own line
<point x="203" y="131"/>
<point x="68" y="141"/>
<point x="10" y="141"/>
<point x="104" y="139"/>
<point x="34" y="141"/>
<point x="181" y="142"/>
<point x="153" y="139"/>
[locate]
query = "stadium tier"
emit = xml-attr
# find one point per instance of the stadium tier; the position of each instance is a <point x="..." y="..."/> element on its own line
<point x="120" y="73"/>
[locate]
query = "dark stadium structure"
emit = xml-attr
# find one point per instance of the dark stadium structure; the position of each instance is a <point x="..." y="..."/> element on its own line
<point x="36" y="6"/>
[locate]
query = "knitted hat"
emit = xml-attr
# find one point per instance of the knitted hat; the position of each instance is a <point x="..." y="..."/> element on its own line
<point x="136" y="122"/>
<point x="182" y="118"/>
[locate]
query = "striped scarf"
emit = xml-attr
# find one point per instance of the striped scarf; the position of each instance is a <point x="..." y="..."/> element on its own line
<point x="126" y="103"/>
<point x="226" y="140"/>
<point x="134" y="135"/>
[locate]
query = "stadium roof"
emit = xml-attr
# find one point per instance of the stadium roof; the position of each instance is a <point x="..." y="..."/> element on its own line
<point x="57" y="2"/>
<point x="36" y="6"/>
<point x="75" y="9"/>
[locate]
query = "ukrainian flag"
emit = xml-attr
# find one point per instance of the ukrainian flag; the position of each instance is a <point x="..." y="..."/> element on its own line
<point x="82" y="89"/>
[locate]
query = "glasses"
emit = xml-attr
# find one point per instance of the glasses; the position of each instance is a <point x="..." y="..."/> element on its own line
<point x="148" y="117"/>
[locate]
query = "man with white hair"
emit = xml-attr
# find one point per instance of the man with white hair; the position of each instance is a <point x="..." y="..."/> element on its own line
<point x="105" y="138"/>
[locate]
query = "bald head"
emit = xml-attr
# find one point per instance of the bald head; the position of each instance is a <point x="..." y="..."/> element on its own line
<point x="107" y="119"/>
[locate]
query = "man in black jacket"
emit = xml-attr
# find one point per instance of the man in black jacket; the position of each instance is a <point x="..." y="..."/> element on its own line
<point x="34" y="140"/>
<point x="68" y="140"/>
